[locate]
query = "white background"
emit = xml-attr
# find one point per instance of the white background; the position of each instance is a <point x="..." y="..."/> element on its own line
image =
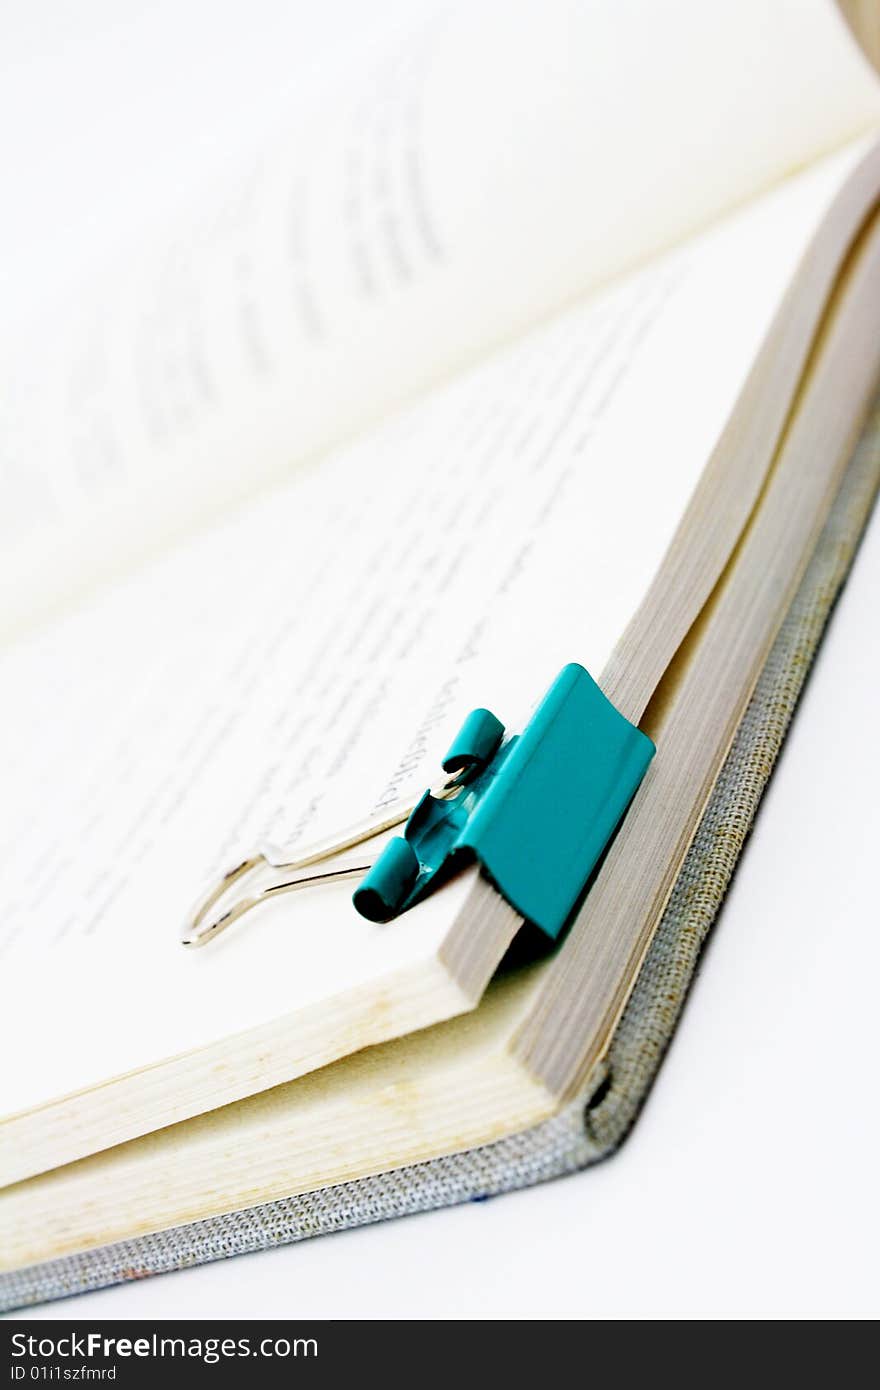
<point x="749" y="1186"/>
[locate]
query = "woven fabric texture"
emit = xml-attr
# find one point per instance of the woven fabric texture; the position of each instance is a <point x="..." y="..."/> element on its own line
<point x="592" y="1127"/>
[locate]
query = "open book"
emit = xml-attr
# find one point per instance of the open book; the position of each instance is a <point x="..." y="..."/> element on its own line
<point x="550" y="346"/>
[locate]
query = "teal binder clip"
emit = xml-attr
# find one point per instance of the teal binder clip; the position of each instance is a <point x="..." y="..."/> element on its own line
<point x="536" y="811"/>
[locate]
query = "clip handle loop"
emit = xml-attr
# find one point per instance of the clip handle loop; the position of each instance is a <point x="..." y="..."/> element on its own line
<point x="389" y="882"/>
<point x="475" y="744"/>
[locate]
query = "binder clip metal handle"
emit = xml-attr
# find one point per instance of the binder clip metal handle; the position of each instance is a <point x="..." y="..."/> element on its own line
<point x="317" y="863"/>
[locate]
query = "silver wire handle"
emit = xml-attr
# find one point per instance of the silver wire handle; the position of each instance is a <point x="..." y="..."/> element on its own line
<point x="200" y="928"/>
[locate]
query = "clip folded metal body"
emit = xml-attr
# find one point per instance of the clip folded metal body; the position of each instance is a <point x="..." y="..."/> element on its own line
<point x="535" y="810"/>
<point x="536" y="813"/>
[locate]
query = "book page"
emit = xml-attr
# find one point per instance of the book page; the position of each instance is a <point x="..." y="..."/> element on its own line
<point x="494" y="167"/>
<point x="312" y="657"/>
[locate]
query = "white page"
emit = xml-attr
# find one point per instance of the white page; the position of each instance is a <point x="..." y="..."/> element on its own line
<point x="503" y="161"/>
<point x="306" y="659"/>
